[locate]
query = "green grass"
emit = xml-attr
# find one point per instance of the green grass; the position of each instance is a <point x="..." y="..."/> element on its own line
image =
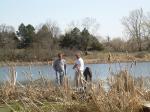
<point x="4" y="109"/>
<point x="58" y="107"/>
<point x="12" y="106"/>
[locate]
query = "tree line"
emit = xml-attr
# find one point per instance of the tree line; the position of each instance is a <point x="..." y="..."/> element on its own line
<point x="43" y="42"/>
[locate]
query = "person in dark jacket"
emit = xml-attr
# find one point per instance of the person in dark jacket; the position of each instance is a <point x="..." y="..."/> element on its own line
<point x="88" y="74"/>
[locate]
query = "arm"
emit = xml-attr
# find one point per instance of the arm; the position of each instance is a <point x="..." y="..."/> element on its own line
<point x="54" y="65"/>
<point x="65" y="66"/>
<point x="75" y="65"/>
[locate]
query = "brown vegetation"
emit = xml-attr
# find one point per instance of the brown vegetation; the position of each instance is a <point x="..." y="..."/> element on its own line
<point x="124" y="94"/>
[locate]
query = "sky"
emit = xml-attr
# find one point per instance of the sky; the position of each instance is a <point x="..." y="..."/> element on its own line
<point x="108" y="13"/>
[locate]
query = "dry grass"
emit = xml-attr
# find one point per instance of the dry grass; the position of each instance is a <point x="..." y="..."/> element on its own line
<point x="125" y="94"/>
<point x="92" y="57"/>
<point x="102" y="57"/>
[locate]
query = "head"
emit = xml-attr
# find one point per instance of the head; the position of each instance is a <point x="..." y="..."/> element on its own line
<point x="87" y="68"/>
<point x="77" y="55"/>
<point x="60" y="55"/>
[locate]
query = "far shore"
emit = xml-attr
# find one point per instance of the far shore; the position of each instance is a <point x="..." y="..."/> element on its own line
<point x="91" y="58"/>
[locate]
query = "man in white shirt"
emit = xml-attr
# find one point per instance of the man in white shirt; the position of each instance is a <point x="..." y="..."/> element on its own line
<point x="79" y="68"/>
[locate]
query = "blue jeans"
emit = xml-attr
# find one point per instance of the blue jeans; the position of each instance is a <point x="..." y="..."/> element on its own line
<point x="59" y="77"/>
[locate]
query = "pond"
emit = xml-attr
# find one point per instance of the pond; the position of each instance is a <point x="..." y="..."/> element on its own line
<point x="100" y="71"/>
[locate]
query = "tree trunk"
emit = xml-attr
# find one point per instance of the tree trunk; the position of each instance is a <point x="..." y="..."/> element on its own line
<point x="139" y="44"/>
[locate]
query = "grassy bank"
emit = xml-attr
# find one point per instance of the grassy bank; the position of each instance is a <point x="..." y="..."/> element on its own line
<point x="91" y="57"/>
<point x="106" y="57"/>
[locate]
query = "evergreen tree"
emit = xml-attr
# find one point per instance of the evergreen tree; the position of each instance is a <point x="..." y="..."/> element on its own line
<point x="26" y="33"/>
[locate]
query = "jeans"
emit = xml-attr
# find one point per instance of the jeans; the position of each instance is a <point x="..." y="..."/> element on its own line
<point x="59" y="77"/>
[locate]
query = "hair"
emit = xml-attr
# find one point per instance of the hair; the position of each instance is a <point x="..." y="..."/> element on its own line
<point x="78" y="54"/>
<point x="60" y="54"/>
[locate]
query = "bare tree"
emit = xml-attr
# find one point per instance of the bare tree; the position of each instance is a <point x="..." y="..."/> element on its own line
<point x="7" y="36"/>
<point x="72" y="25"/>
<point x="6" y="28"/>
<point x="147" y="26"/>
<point x="46" y="39"/>
<point x="90" y="24"/>
<point x="134" y="25"/>
<point x="53" y="29"/>
<point x="146" y="40"/>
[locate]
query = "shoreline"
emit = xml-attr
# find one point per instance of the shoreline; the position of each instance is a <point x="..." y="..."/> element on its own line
<point x="87" y="61"/>
<point x="91" y="58"/>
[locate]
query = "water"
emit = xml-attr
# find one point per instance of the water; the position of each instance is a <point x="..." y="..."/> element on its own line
<point x="100" y="71"/>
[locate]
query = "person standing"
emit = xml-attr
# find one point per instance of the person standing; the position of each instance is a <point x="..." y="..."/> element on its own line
<point x="79" y="68"/>
<point x="88" y="74"/>
<point x="59" y="66"/>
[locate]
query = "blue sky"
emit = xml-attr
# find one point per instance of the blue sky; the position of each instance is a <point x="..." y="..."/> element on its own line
<point x="108" y="13"/>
